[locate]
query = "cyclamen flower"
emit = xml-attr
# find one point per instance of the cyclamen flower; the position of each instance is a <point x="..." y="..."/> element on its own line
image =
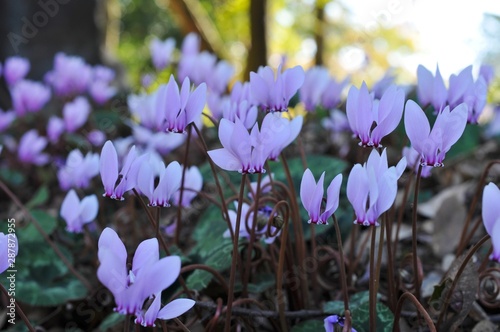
<point x="77" y="213"/>
<point x="6" y="119"/>
<point x="433" y="144"/>
<point x="247" y="152"/>
<point x="333" y="91"/>
<point x="193" y="182"/>
<point x="491" y="217"/>
<point x="70" y="76"/>
<point x="55" y="128"/>
<point x="169" y="182"/>
<point x="171" y="310"/>
<point x="363" y="112"/>
<point x="219" y="76"/>
<point x="16" y="68"/>
<point x="261" y="229"/>
<point x="316" y="80"/>
<point x="29" y="97"/>
<point x="183" y="107"/>
<point x="108" y="166"/>
<point x="161" y="52"/>
<point x="273" y="93"/>
<point x="372" y="187"/>
<point x="160" y="142"/>
<point x="148" y="276"/>
<point x="101" y="91"/>
<point x="430" y="89"/>
<point x="8" y="250"/>
<point x="413" y="161"/>
<point x="332" y="321"/>
<point x="293" y="128"/>
<point x="30" y="148"/>
<point x="311" y="194"/>
<point x="243" y="111"/>
<point x="76" y="113"/>
<point x="78" y="170"/>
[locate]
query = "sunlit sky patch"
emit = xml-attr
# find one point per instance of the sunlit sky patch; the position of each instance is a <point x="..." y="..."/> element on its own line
<point x="447" y="32"/>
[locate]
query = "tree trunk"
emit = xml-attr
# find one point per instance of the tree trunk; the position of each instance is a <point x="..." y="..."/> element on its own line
<point x="257" y="54"/>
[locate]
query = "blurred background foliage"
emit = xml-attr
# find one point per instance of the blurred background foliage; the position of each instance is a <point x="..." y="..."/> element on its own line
<point x="303" y="32"/>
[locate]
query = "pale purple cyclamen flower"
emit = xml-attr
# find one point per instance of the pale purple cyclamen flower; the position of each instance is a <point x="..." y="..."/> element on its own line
<point x="430" y="89"/>
<point x="70" y="75"/>
<point x="487" y="72"/>
<point x="76" y="113"/>
<point x="149" y="275"/>
<point x="247" y="152"/>
<point x="293" y="128"/>
<point x="316" y="80"/>
<point x="372" y="187"/>
<point x="78" y="170"/>
<point x="16" y="68"/>
<point x="333" y="92"/>
<point x="334" y="320"/>
<point x="108" y="166"/>
<point x="8" y="251"/>
<point x="169" y="182"/>
<point x="101" y="92"/>
<point x="241" y="92"/>
<point x="433" y="144"/>
<point x="96" y="137"/>
<point x="30" y="148"/>
<point x="6" y="119"/>
<point x="160" y="142"/>
<point x="144" y="110"/>
<point x="260" y="231"/>
<point x="459" y="84"/>
<point x="193" y="182"/>
<point x="103" y="73"/>
<point x="189" y="53"/>
<point x="413" y="161"/>
<point x="243" y="111"/>
<point x="29" y="97"/>
<point x="340" y="131"/>
<point x="383" y="84"/>
<point x="77" y="213"/>
<point x="491" y="217"/>
<point x="363" y="112"/>
<point x="273" y="92"/>
<point x="172" y="310"/>
<point x="55" y="128"/>
<point x="311" y="195"/>
<point x="161" y="52"/>
<point x="218" y="77"/>
<point x="183" y="107"/>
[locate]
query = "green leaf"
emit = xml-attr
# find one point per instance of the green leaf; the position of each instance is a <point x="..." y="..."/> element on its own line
<point x="13" y="177"/>
<point x="111" y="320"/>
<point x="334" y="307"/>
<point x="54" y="294"/>
<point x="309" y="326"/>
<point x="40" y="197"/>
<point x="361" y="317"/>
<point x="30" y="234"/>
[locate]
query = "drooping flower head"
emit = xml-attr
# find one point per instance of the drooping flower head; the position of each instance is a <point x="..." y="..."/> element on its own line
<point x="334" y="320"/>
<point x="116" y="184"/>
<point x="75" y="114"/>
<point x="491" y="217"/>
<point x="30" y="148"/>
<point x="433" y="144"/>
<point x="363" y="112"/>
<point x="8" y="251"/>
<point x="77" y="213"/>
<point x="247" y="152"/>
<point x="16" y="68"/>
<point x="29" y="97"/>
<point x="171" y="310"/>
<point x="148" y="275"/>
<point x="169" y="181"/>
<point x="372" y="187"/>
<point x="431" y="90"/>
<point x="161" y="52"/>
<point x="273" y="93"/>
<point x="316" y="80"/>
<point x="70" y="75"/>
<point x="311" y="194"/>
<point x="180" y="107"/>
<point x="78" y="170"/>
<point x="193" y="182"/>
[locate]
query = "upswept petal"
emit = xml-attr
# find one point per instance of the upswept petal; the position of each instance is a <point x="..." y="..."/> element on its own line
<point x="172" y="101"/>
<point x="425" y="85"/>
<point x="145" y="180"/>
<point x="258" y="89"/>
<point x="495" y="241"/>
<point x="357" y="190"/>
<point x="225" y="159"/>
<point x="110" y="240"/>
<point x="112" y="272"/>
<point x="108" y="166"/>
<point x="175" y="308"/>
<point x="307" y="187"/>
<point x="453" y="125"/>
<point x="196" y="103"/>
<point x="459" y="85"/>
<point x="293" y="79"/>
<point x="332" y="198"/>
<point x="491" y="208"/>
<point x="89" y="207"/>
<point x="388" y="186"/>
<point x="416" y="125"/>
<point x="147" y="254"/>
<point x="158" y="276"/>
<point x="389" y="113"/>
<point x="440" y="94"/>
<point x="70" y="206"/>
